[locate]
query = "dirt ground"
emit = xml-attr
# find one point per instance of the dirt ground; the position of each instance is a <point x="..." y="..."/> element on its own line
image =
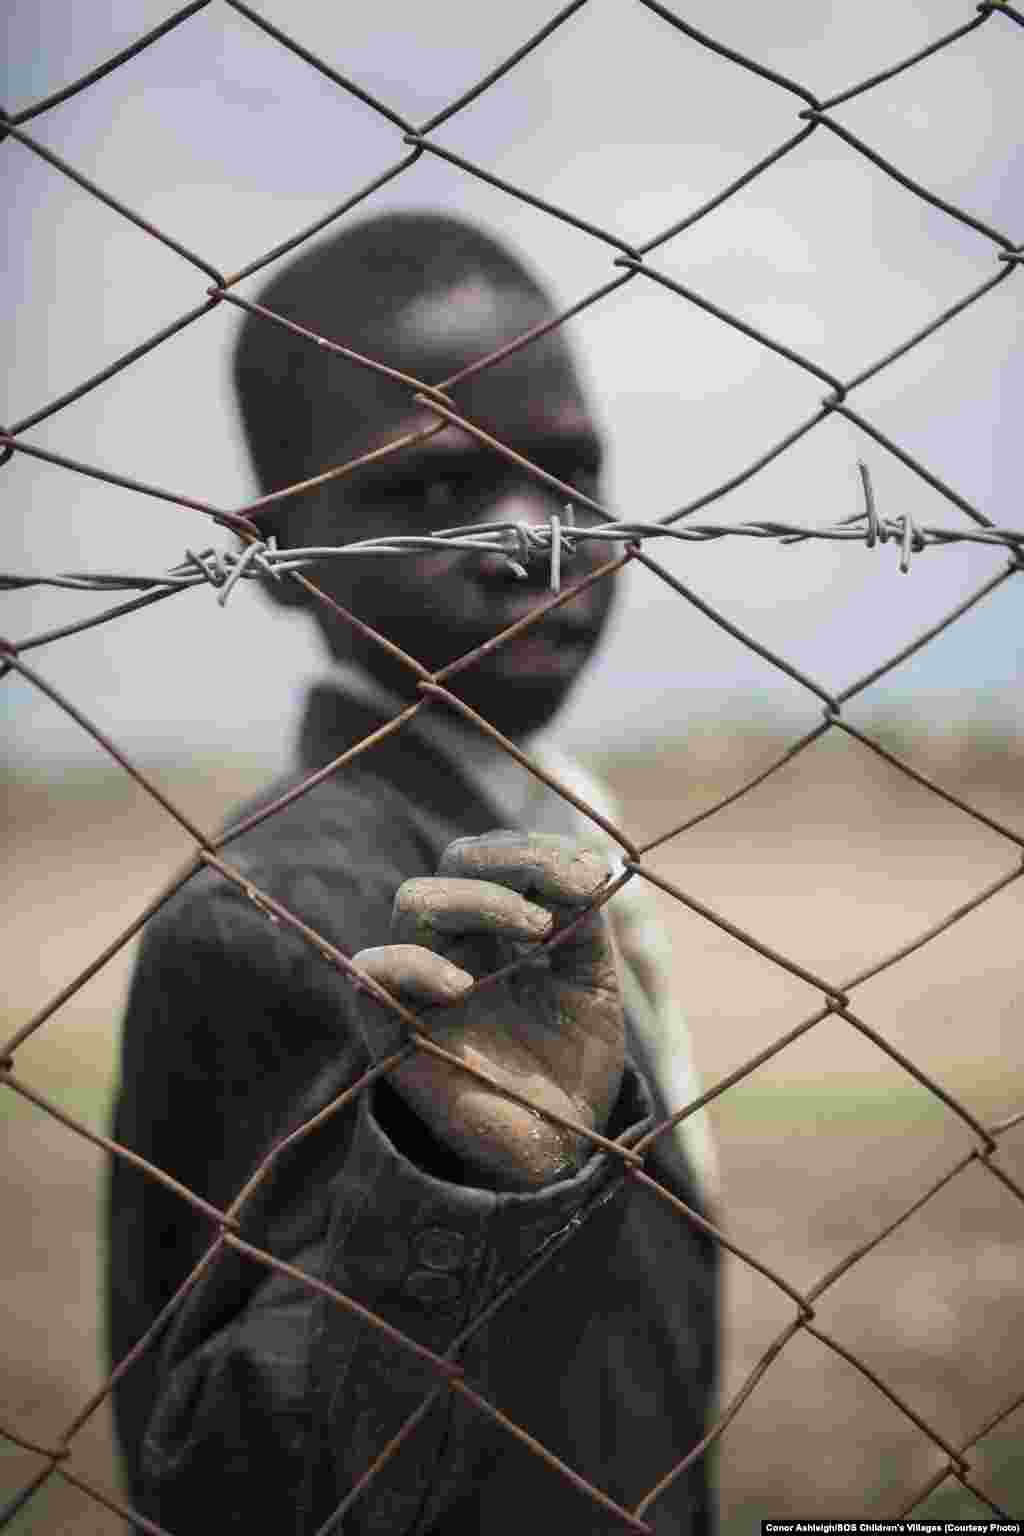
<point x="833" y="863"/>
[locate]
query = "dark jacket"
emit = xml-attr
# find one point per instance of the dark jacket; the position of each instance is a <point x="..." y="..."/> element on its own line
<point x="262" y="1402"/>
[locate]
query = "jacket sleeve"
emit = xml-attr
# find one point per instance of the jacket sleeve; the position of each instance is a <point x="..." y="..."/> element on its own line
<point x="264" y="1400"/>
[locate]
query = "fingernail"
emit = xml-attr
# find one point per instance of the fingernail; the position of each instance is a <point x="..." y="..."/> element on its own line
<point x="543" y="923"/>
<point x="457" y="981"/>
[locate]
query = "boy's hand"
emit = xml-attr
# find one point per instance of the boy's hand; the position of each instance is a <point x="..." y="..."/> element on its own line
<point x="554" y="1031"/>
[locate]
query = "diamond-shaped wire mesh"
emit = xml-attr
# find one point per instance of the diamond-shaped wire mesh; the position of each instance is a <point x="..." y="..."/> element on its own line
<point x="834" y="1001"/>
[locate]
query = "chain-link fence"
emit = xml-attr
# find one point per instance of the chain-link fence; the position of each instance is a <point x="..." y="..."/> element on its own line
<point x="258" y="558"/>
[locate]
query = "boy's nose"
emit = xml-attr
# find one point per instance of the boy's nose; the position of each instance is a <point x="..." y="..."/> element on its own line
<point x="518" y="504"/>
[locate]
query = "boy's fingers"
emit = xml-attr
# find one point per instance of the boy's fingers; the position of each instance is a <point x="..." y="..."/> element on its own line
<point x="413" y="974"/>
<point x="555" y="871"/>
<point x="431" y="906"/>
<point x="538" y="865"/>
<point x="416" y="977"/>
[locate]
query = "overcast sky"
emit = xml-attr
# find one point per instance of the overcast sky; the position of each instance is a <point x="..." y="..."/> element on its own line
<point x="229" y="143"/>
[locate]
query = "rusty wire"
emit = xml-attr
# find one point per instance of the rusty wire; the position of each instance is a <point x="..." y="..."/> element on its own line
<point x="260" y="559"/>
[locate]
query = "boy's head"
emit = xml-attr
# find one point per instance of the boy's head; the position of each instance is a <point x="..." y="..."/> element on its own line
<point x="427" y="295"/>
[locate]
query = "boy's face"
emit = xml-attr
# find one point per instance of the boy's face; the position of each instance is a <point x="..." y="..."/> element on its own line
<point x="437" y="607"/>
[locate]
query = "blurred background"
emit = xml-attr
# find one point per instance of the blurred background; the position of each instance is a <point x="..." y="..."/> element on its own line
<point x="231" y="144"/>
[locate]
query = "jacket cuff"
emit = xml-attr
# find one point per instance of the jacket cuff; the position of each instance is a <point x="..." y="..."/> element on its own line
<point x="427" y="1240"/>
<point x="428" y="1255"/>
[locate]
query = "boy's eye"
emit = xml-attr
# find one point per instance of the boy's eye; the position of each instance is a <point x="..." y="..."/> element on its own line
<point x="426" y="500"/>
<point x="586" y="481"/>
<point x="442" y="494"/>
